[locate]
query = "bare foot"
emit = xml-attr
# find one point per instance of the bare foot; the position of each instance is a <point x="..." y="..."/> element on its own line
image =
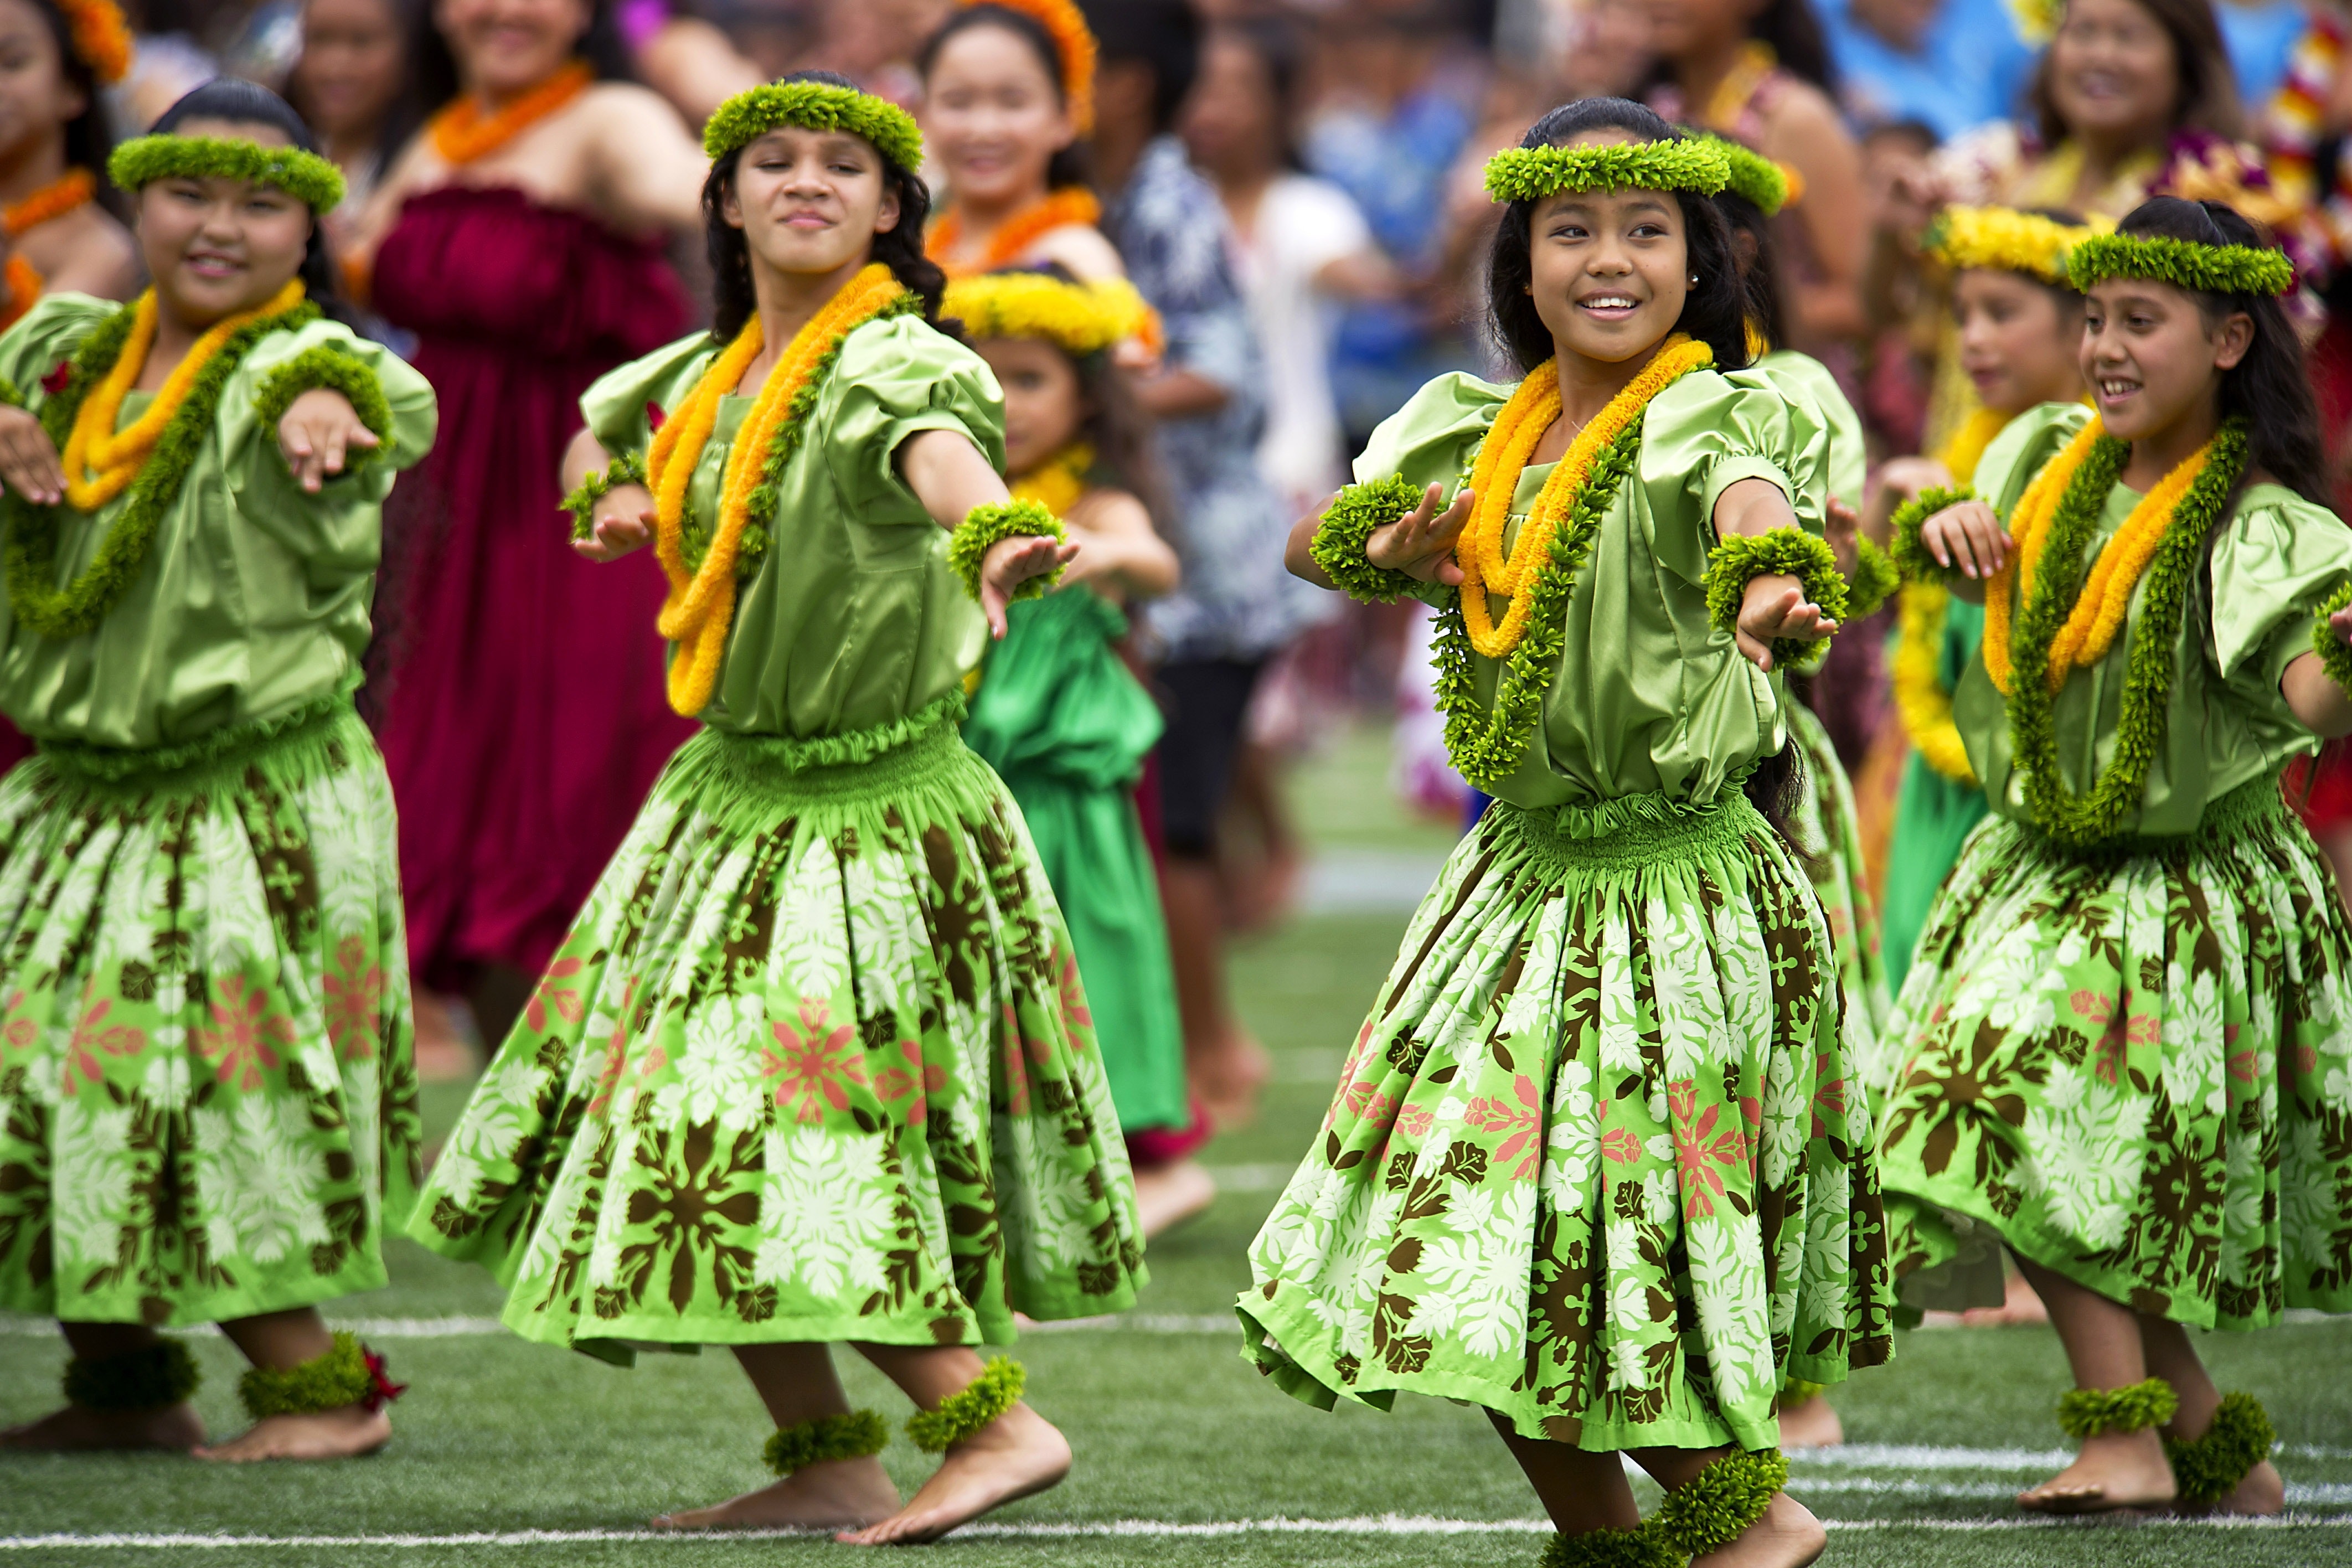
<point x="1228" y="1080"/>
<point x="174" y="1426"/>
<point x="1787" y="1536"/>
<point x="1172" y="1194"/>
<point x="344" y="1434"/>
<point x="840" y="1494"/>
<point x="2117" y="1470"/>
<point x="1013" y="1455"/>
<point x="2261" y="1493"/>
<point x="1811" y="1424"/>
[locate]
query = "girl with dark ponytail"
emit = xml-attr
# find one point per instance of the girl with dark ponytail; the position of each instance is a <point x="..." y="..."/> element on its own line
<point x="825" y="956"/>
<point x="2119" y="1035"/>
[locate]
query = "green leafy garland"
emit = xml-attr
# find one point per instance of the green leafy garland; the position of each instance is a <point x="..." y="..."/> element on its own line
<point x="2184" y="263"/>
<point x="329" y="1382"/>
<point x="1873" y="582"/>
<point x="1784" y="552"/>
<point x="815" y="106"/>
<point x="1715" y="1507"/>
<point x="1531" y="173"/>
<point x="2335" y="656"/>
<point x="323" y="365"/>
<point x="29" y="556"/>
<point x="985" y="527"/>
<point x="1354" y="514"/>
<point x="148" y="1378"/>
<point x="995" y="1391"/>
<point x="855" y="1436"/>
<point x="1910" y="550"/>
<point x="628" y="469"/>
<point x="1643" y="1546"/>
<point x="2090" y="820"/>
<point x="2094" y="1412"/>
<point x="2207" y="1470"/>
<point x="309" y="179"/>
<point x="1753" y="176"/>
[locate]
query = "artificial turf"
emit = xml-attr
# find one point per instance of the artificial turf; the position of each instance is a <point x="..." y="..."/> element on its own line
<point x="1168" y="1424"/>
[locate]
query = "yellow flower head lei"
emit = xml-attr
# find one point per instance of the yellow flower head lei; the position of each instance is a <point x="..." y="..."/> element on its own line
<point x="101" y="38"/>
<point x="1074" y="43"/>
<point x="2003" y="240"/>
<point x="1078" y="318"/>
<point x="1531" y="173"/>
<point x="814" y="106"/>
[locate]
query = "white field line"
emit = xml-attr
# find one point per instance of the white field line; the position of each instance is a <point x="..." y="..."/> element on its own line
<point x="1380" y="1525"/>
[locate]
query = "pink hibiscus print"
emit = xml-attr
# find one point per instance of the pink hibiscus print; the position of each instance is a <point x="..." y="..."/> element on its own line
<point x="1522" y="1121"/>
<point x="918" y="1077"/>
<point x="562" y="1001"/>
<point x="20" y="1032"/>
<point x="354" y="1001"/>
<point x="1699" y="1150"/>
<point x="2119" y="1032"/>
<point x="93" y="1033"/>
<point x="814" y="1064"/>
<point x="244" y="1029"/>
<point x="1077" y="1016"/>
<point x="616" y="1051"/>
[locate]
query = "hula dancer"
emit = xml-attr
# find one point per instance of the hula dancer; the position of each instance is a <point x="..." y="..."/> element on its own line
<point x="1593" y="1163"/>
<point x="1058" y="714"/>
<point x="58" y="239"/>
<point x="814" y="1064"/>
<point x="207" y="1106"/>
<point x="2124" y="1049"/>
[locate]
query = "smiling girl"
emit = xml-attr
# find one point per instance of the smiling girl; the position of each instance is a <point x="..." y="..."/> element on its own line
<point x="2124" y="1054"/>
<point x="206" y="1048"/>
<point x="1592" y="1164"/>
<point x="814" y="1065"/>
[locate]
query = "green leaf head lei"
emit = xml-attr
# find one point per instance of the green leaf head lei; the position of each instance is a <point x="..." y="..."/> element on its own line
<point x="814" y="106"/>
<point x="1752" y="176"/>
<point x="2183" y="263"/>
<point x="1531" y="173"/>
<point x="305" y="176"/>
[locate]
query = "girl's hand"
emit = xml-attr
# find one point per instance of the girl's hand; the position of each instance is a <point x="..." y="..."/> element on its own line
<point x="317" y="432"/>
<point x="1775" y="606"/>
<point x="28" y="459"/>
<point x="1967" y="534"/>
<point x="2340" y="623"/>
<point x="1421" y="543"/>
<point x="1011" y="563"/>
<point x="1841" y="525"/>
<point x="623" y="521"/>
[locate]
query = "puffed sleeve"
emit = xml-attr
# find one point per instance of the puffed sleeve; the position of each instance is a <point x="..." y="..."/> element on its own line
<point x="341" y="523"/>
<point x="1432" y="439"/>
<point x="2024" y="446"/>
<point x="1806" y="379"/>
<point x="2272" y="564"/>
<point x="1708" y="432"/>
<point x="47" y="336"/>
<point x="898" y="378"/>
<point x="618" y="405"/>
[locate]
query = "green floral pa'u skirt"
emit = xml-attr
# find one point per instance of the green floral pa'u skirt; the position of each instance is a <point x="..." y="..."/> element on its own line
<point x="208" y="1100"/>
<point x="1596" y="1162"/>
<point x="2134" y="1070"/>
<point x="814" y="1064"/>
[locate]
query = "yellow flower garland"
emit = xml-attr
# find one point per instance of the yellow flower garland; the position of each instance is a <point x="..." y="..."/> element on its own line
<point x="1059" y="482"/>
<point x="101" y="461"/>
<point x="1920" y="700"/>
<point x="701" y="604"/>
<point x="1503" y="457"/>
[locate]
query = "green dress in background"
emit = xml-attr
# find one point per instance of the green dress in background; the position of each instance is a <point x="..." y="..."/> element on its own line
<point x="1593" y="1163"/>
<point x="2132" y="1066"/>
<point x="1067" y="726"/>
<point x="815" y="1062"/>
<point x="208" y="1100"/>
<point x="1933" y="814"/>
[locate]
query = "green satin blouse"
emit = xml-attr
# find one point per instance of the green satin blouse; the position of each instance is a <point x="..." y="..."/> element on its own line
<point x="1804" y="377"/>
<point x="1649" y="697"/>
<point x="2247" y="617"/>
<point x="253" y="598"/>
<point x="852" y="618"/>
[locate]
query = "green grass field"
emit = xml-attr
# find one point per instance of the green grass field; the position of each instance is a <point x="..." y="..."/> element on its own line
<point x="509" y="1453"/>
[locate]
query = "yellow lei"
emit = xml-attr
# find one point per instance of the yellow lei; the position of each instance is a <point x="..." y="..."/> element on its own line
<point x="101" y="461"/>
<point x="1920" y="700"/>
<point x="1059" y="482"/>
<point x="2097" y="617"/>
<point x="701" y="604"/>
<point x="1503" y="457"/>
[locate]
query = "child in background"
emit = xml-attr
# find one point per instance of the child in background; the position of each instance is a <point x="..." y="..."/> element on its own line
<point x="54" y="144"/>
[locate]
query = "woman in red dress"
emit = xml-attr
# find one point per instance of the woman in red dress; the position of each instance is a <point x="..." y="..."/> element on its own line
<point x="521" y="238"/>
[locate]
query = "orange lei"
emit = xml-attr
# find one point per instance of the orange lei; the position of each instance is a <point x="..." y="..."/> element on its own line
<point x="701" y="604"/>
<point x="463" y="132"/>
<point x="59" y="196"/>
<point x="99" y="460"/>
<point x="1059" y="209"/>
<point x="1503" y="457"/>
<point x="2092" y="626"/>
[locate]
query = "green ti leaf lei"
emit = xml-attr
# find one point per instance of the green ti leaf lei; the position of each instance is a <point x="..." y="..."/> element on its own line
<point x="695" y="530"/>
<point x="29" y="554"/>
<point x="2089" y="821"/>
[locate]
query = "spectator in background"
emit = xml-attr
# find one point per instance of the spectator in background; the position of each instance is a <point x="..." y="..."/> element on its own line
<point x="60" y="233"/>
<point x="1950" y="65"/>
<point x="1235" y="609"/>
<point x="352" y="86"/>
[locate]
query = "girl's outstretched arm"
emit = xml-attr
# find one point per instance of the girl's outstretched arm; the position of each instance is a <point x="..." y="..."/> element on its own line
<point x="2325" y="707"/>
<point x="624" y="518"/>
<point x="950" y="477"/>
<point x="1774" y="605"/>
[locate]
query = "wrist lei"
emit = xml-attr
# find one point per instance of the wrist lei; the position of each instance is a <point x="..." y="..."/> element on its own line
<point x="1874" y="580"/>
<point x="1072" y="205"/>
<point x="349" y="1373"/>
<point x="2163" y="537"/>
<point x="463" y="132"/>
<point x="325" y="366"/>
<point x="151" y="458"/>
<point x="1559" y="530"/>
<point x="1912" y="557"/>
<point x="627" y="469"/>
<point x="995" y="1391"/>
<point x="2003" y="240"/>
<point x="306" y="177"/>
<point x="701" y="604"/>
<point x="1530" y="173"/>
<point x="814" y="106"/>
<point x="987" y="526"/>
<point x="1741" y="558"/>
<point x="149" y="1378"/>
<point x="2207" y="1470"/>
<point x="1348" y="525"/>
<point x="2085" y="1413"/>
<point x="858" y="1434"/>
<point x="2183" y="263"/>
<point x="2335" y="656"/>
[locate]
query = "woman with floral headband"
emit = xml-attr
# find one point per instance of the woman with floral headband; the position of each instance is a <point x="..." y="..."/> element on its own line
<point x="1594" y="1164"/>
<point x="53" y="149"/>
<point x="2123" y="1047"/>
<point x="207" y="1108"/>
<point x="814" y="1064"/>
<point x="1009" y="98"/>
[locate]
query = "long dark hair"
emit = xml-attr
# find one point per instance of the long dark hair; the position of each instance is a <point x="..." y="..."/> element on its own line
<point x="2207" y="99"/>
<point x="434" y="70"/>
<point x="1714" y="310"/>
<point x="901" y="247"/>
<point x="235" y="99"/>
<point x="1070" y="165"/>
<point x="1759" y="269"/>
<point x="89" y="135"/>
<point x="2267" y="388"/>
